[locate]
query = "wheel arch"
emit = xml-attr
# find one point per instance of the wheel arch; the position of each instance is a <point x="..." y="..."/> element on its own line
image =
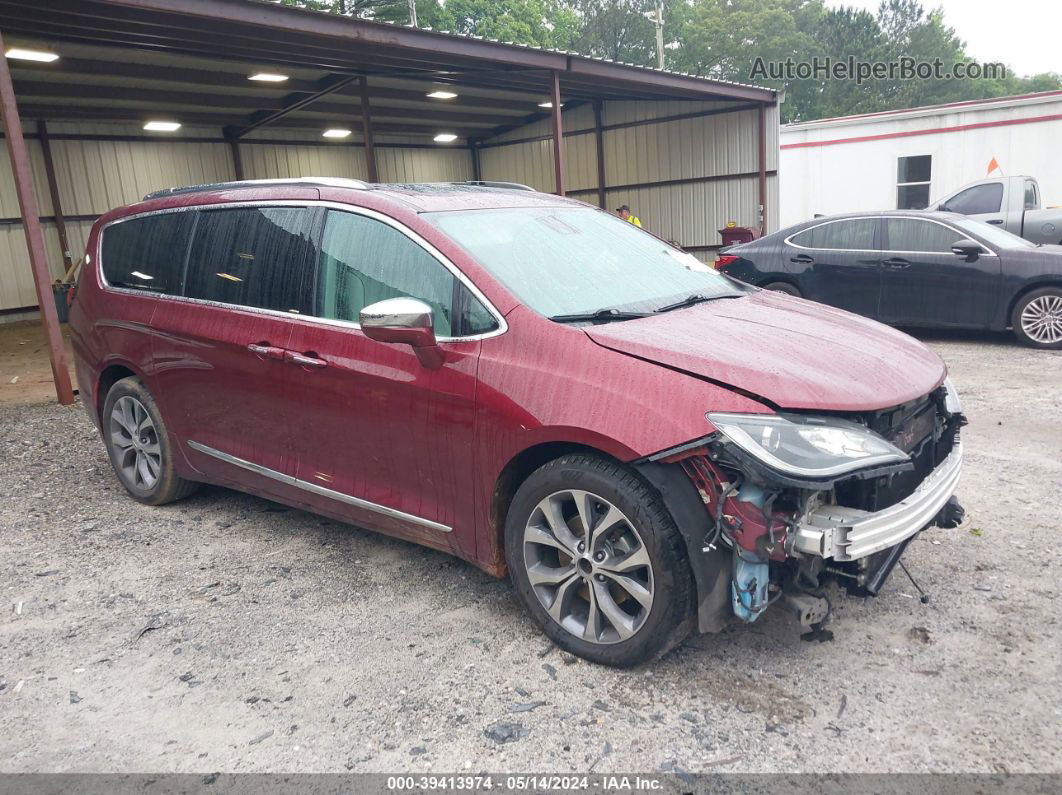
<point x="112" y="373"/>
<point x="514" y="473"/>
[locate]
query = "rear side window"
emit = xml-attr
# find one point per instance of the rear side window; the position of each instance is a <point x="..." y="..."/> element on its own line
<point x="147" y="253"/>
<point x="910" y="234"/>
<point x="364" y="261"/>
<point x="976" y="200"/>
<point x="856" y="234"/>
<point x="1032" y="197"/>
<point x="254" y="256"/>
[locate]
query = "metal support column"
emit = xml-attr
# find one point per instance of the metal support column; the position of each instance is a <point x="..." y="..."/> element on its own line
<point x="763" y="168"/>
<point x="237" y="157"/>
<point x="599" y="136"/>
<point x="370" y="151"/>
<point x="53" y="191"/>
<point x="27" y="201"/>
<point x="558" y="134"/>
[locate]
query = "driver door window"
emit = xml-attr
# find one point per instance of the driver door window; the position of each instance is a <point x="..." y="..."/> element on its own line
<point x="364" y="261"/>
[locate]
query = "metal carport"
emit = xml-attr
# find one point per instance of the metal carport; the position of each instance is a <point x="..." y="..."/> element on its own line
<point x="686" y="152"/>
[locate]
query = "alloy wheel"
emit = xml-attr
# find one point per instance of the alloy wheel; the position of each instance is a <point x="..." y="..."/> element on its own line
<point x="136" y="443"/>
<point x="588" y="566"/>
<point x="1041" y="319"/>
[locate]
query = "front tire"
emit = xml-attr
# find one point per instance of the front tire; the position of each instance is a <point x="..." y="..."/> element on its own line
<point x="139" y="445"/>
<point x="598" y="562"/>
<point x="1037" y="319"/>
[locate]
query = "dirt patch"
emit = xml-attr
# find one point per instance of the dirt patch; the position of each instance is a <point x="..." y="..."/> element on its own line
<point x="226" y="633"/>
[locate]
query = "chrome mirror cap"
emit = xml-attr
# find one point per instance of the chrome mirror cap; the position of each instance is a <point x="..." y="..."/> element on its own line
<point x="397" y="313"/>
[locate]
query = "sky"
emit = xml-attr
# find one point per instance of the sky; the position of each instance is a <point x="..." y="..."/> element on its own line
<point x="1024" y="34"/>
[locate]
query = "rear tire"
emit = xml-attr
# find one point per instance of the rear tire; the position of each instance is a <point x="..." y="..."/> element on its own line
<point x="598" y="562"/>
<point x="783" y="287"/>
<point x="1037" y="319"/>
<point x="139" y="445"/>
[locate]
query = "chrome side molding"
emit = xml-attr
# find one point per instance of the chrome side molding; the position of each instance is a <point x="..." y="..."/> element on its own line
<point x="313" y="488"/>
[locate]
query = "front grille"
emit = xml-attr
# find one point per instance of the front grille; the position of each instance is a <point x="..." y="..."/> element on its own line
<point x="921" y="429"/>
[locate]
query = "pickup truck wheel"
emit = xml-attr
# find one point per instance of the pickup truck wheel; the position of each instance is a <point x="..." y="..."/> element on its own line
<point x="783" y="287"/>
<point x="598" y="562"/>
<point x="1037" y="318"/>
<point x="139" y="445"/>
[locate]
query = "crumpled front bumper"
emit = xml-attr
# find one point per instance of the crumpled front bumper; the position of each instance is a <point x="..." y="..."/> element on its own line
<point x="833" y="531"/>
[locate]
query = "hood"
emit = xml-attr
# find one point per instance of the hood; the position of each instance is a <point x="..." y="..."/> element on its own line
<point x="793" y="353"/>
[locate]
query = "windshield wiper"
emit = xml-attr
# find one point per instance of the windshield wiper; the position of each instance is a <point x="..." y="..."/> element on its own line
<point x="600" y="316"/>
<point x="696" y="298"/>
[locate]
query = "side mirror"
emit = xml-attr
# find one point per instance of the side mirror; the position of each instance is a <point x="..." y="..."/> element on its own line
<point x="967" y="248"/>
<point x="405" y="321"/>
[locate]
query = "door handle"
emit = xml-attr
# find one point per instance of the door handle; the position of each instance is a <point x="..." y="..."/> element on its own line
<point x="266" y="350"/>
<point x="996" y="221"/>
<point x="304" y="360"/>
<point x="896" y="262"/>
<point x="803" y="259"/>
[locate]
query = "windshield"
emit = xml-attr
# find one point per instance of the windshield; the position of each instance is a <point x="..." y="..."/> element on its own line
<point x="993" y="235"/>
<point x="573" y="260"/>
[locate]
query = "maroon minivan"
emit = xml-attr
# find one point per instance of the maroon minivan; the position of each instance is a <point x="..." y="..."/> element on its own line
<point x="524" y="381"/>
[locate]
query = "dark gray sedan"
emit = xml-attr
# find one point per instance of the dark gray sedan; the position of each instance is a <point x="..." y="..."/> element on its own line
<point x="914" y="269"/>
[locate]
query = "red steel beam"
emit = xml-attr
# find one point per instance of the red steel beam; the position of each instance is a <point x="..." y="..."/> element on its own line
<point x="558" y="133"/>
<point x="366" y="125"/>
<point x="27" y="201"/>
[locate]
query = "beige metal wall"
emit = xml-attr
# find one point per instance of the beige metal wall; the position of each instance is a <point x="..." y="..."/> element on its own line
<point x="95" y="176"/>
<point x="689" y="214"/>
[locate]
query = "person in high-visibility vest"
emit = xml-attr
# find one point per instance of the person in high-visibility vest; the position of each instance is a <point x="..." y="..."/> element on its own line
<point x="624" y="212"/>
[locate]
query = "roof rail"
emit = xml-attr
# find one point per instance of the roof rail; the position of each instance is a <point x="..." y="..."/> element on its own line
<point x="323" y="182"/>
<point x="484" y="183"/>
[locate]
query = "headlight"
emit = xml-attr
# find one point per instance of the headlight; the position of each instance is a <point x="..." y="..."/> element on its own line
<point x="952" y="404"/>
<point x="809" y="447"/>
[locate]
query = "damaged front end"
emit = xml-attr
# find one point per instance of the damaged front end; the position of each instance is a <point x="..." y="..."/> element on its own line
<point x="787" y="502"/>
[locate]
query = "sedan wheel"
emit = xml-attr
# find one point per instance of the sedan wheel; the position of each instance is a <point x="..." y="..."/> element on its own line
<point x="588" y="566"/>
<point x="1037" y="318"/>
<point x="1041" y="319"/>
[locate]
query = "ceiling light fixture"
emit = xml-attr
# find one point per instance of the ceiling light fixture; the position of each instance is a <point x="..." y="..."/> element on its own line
<point x="442" y="94"/>
<point x="445" y="138"/>
<point x="268" y="77"/>
<point x="336" y="132"/>
<point x="162" y="126"/>
<point x="548" y="104"/>
<point x="22" y="54"/>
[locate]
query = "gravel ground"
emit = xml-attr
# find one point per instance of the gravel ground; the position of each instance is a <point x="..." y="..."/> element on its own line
<point x="228" y="633"/>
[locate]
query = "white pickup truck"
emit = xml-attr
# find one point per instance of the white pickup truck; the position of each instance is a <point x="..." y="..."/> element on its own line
<point x="1012" y="203"/>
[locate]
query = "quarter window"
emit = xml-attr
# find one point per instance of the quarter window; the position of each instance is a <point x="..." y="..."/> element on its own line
<point x="976" y="200"/>
<point x="911" y="234"/>
<point x="1032" y="196"/>
<point x="253" y="256"/>
<point x="913" y="176"/>
<point x="147" y="253"/>
<point x="856" y="234"/>
<point x="363" y="261"/>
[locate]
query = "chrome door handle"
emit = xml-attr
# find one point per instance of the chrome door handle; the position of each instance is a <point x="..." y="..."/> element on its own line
<point x="896" y="262"/>
<point x="268" y="351"/>
<point x="303" y="360"/>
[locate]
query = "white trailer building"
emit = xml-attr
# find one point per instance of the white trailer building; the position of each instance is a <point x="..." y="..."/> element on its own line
<point x="907" y="158"/>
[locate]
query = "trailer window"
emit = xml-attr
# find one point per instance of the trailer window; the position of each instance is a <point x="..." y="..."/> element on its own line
<point x="913" y="175"/>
